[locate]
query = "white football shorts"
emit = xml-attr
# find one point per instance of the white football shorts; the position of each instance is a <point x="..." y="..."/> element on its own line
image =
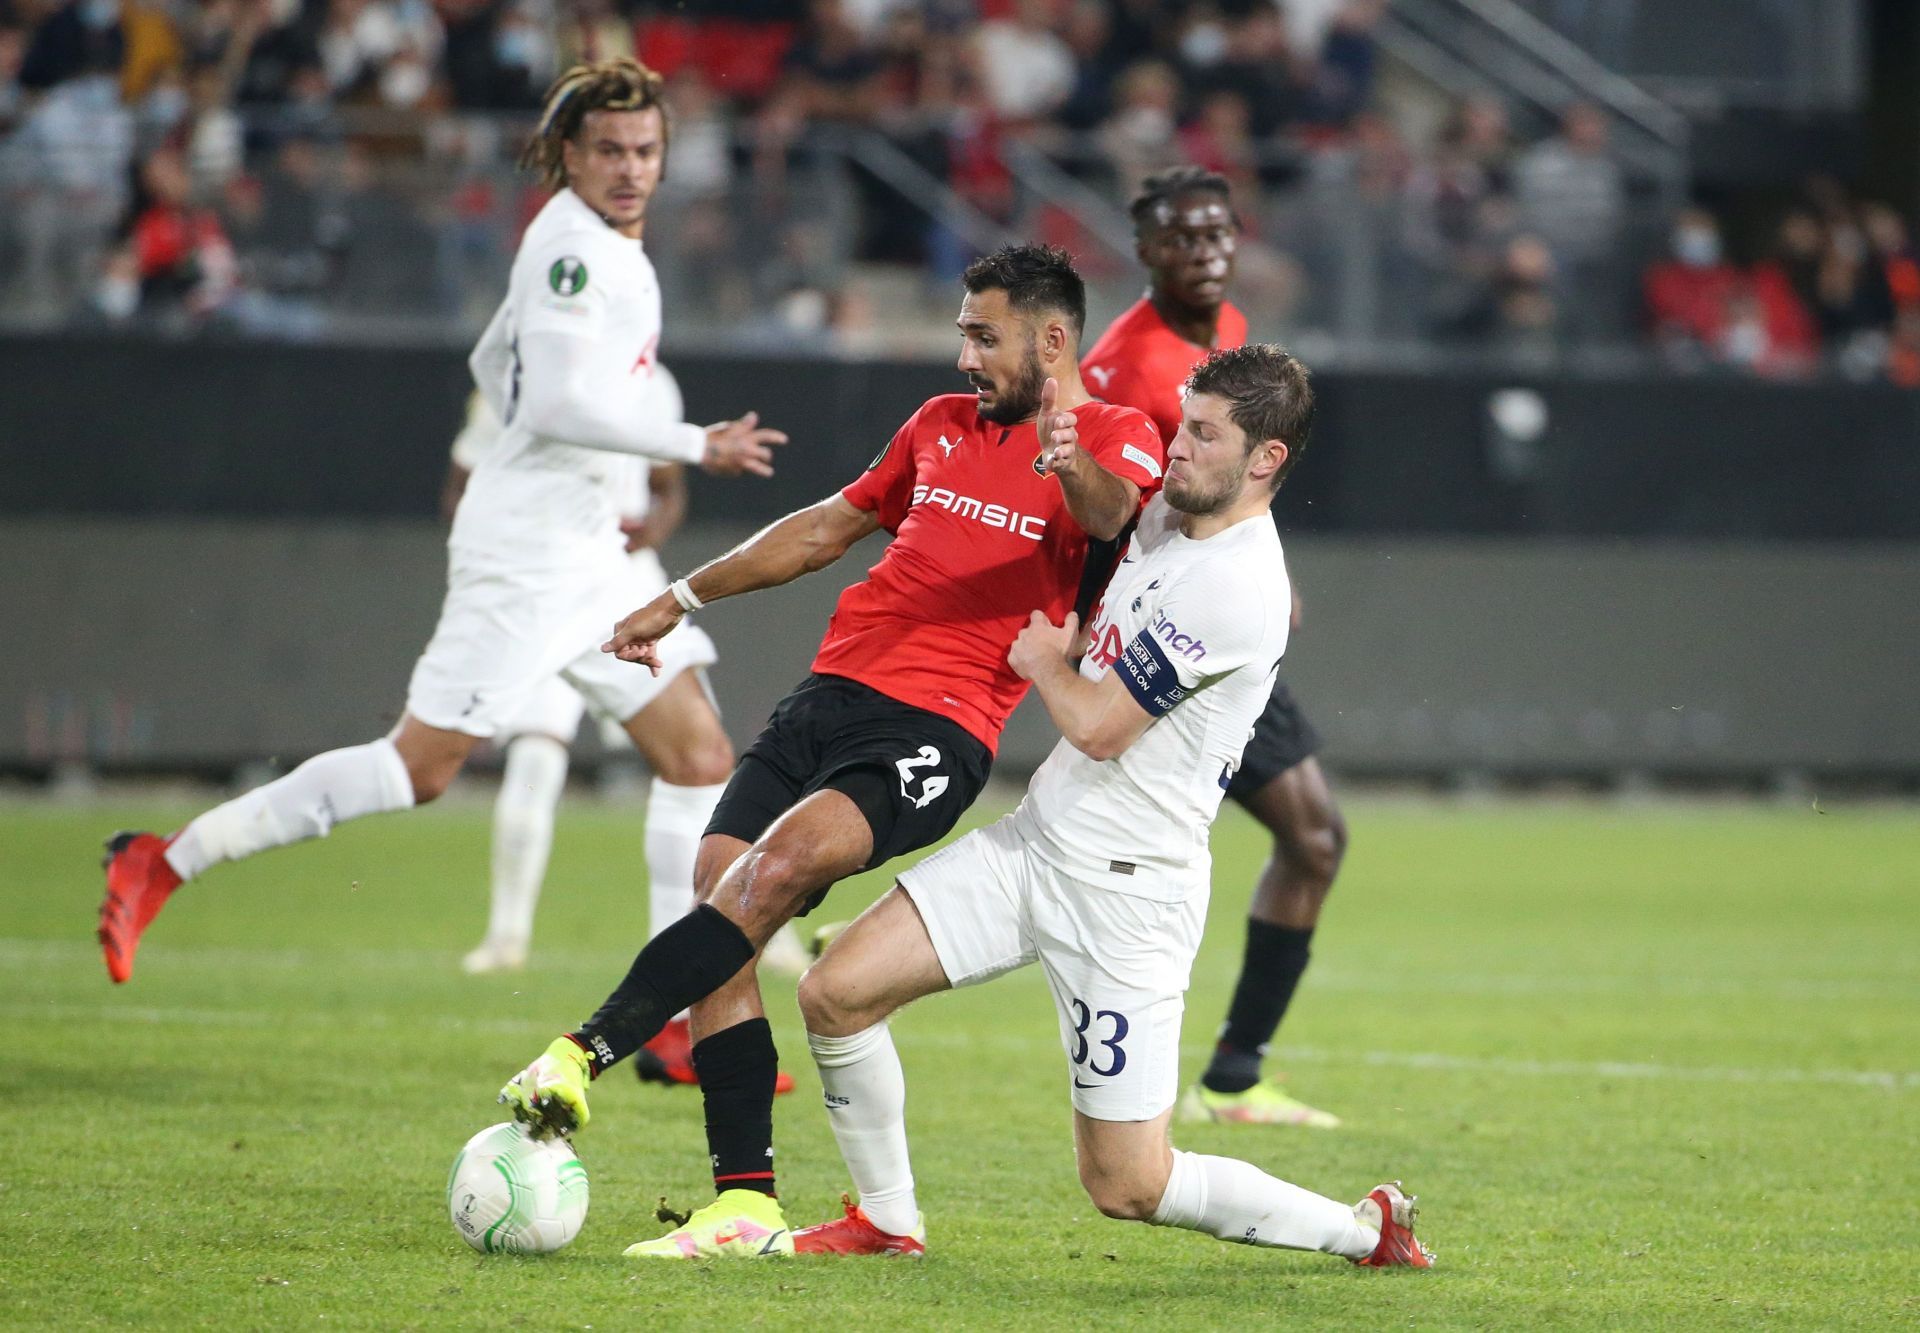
<point x="1118" y="966"/>
<point x="518" y="651"/>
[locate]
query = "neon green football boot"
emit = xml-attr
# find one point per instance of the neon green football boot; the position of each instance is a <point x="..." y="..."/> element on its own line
<point x="1265" y="1103"/>
<point x="549" y="1096"/>
<point x="740" y="1224"/>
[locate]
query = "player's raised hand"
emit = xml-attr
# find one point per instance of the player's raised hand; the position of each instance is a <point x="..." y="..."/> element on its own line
<point x="1059" y="431"/>
<point x="740" y="446"/>
<point x="1041" y="643"/>
<point x="637" y="638"/>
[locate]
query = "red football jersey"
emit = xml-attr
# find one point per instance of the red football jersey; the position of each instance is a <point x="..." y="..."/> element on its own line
<point x="981" y="539"/>
<point x="1141" y="362"/>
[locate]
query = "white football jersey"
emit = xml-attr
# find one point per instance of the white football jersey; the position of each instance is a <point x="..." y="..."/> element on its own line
<point x="1196" y="630"/>
<point x="540" y="502"/>
<point x="480" y="434"/>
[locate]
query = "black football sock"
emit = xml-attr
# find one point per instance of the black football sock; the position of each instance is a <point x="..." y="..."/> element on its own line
<point x="686" y="962"/>
<point x="1275" y="958"/>
<point x="737" y="1069"/>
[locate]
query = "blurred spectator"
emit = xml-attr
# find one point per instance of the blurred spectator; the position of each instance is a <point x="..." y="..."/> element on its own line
<point x="591" y="30"/>
<point x="1027" y="71"/>
<point x="1137" y="137"/>
<point x="1690" y="294"/>
<point x="13" y="53"/>
<point x="832" y="72"/>
<point x="1903" y="353"/>
<point x="1573" y="195"/>
<point x="1339" y="81"/>
<point x="1221" y="139"/>
<point x="1088" y="33"/>
<point x="1259" y="65"/>
<point x="1458" y="217"/>
<point x="499" y="55"/>
<point x="1768" y="331"/>
<point x="175" y="265"/>
<point x="1519" y="311"/>
<point x="1887" y="235"/>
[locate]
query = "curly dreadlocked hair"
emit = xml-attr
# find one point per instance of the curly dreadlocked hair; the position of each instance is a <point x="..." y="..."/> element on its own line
<point x="619" y="84"/>
<point x="1162" y="188"/>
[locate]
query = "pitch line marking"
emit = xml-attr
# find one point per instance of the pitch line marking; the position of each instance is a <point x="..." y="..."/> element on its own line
<point x="1434" y="1061"/>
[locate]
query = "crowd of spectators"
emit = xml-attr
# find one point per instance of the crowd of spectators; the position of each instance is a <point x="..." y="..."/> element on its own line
<point x="277" y="165"/>
<point x="1836" y="282"/>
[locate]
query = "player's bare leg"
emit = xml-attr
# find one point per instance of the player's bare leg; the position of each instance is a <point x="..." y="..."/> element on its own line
<point x="1131" y="1170"/>
<point x="819" y="841"/>
<point x="884" y="960"/>
<point x="412" y="766"/>
<point x="680" y="736"/>
<point x="1309" y="841"/>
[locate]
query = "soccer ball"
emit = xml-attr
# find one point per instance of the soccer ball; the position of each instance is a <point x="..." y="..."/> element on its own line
<point x="511" y="1193"/>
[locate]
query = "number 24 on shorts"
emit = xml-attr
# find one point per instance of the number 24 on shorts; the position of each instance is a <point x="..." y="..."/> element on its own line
<point x="1088" y="1043"/>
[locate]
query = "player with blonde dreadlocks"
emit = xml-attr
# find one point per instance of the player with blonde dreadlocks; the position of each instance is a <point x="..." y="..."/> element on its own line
<point x="537" y="569"/>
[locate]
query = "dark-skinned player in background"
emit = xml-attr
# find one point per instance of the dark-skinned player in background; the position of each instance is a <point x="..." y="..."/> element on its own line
<point x="1187" y="234"/>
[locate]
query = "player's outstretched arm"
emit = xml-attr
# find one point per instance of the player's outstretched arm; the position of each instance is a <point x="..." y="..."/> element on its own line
<point x="1101" y="502"/>
<point x="570" y="390"/>
<point x="1100" y="718"/>
<point x="803" y="541"/>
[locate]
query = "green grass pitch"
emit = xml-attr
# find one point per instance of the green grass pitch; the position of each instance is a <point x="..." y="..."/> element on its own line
<point x="1647" y="1067"/>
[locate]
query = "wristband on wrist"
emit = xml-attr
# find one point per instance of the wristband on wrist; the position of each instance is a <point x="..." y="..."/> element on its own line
<point x="683" y="593"/>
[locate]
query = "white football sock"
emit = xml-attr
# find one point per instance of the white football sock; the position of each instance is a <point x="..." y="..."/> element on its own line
<point x="1237" y="1201"/>
<point x="867" y="1106"/>
<point x="676" y="820"/>
<point x="530" y="787"/>
<point x="328" y="789"/>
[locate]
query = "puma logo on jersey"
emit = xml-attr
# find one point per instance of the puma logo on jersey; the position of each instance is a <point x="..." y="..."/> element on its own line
<point x="1030" y="526"/>
<point x="949" y="448"/>
<point x="1104" y="374"/>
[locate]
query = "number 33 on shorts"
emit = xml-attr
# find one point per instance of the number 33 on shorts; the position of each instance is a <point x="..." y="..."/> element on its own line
<point x="1097" y="1034"/>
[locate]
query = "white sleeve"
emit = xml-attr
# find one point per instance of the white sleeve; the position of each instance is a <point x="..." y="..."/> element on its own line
<point x="1211" y="622"/>
<point x="478" y="435"/>
<point x="492" y="363"/>
<point x="577" y="387"/>
<point x="571" y="390"/>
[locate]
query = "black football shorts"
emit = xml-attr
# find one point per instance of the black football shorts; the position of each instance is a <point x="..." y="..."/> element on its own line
<point x="1282" y="738"/>
<point x="911" y="772"/>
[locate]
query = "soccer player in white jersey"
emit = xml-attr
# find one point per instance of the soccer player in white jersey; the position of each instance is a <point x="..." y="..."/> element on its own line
<point x="1101" y="874"/>
<point x="536" y="745"/>
<point x="536" y="567"/>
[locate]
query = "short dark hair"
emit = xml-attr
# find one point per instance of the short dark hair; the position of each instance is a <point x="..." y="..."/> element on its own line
<point x="618" y="84"/>
<point x="1268" y="393"/>
<point x="1164" y="187"/>
<point x="1035" y="278"/>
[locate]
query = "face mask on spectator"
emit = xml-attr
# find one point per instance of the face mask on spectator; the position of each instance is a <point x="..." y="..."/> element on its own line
<point x="166" y="105"/>
<point x="404" y="82"/>
<point x="1205" y="44"/>
<point x="1697" y="247"/>
<point x="517" y="45"/>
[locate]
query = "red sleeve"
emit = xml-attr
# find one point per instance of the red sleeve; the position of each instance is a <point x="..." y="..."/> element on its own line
<point x="1129" y="446"/>
<point x="885" y="489"/>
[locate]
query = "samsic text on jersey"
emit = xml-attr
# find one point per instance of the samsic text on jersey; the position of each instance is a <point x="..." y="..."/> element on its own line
<point x="981" y="539"/>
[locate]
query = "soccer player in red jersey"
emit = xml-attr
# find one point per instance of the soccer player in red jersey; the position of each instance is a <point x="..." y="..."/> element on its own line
<point x="1187" y="234"/>
<point x="991" y="498"/>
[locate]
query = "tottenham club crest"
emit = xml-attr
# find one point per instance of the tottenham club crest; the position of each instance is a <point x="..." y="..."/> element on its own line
<point x="567" y="277"/>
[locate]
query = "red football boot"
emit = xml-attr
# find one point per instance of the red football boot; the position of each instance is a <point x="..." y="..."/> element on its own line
<point x="854" y="1234"/>
<point x="668" y="1059"/>
<point x="1397" y="1247"/>
<point x="139" y="882"/>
